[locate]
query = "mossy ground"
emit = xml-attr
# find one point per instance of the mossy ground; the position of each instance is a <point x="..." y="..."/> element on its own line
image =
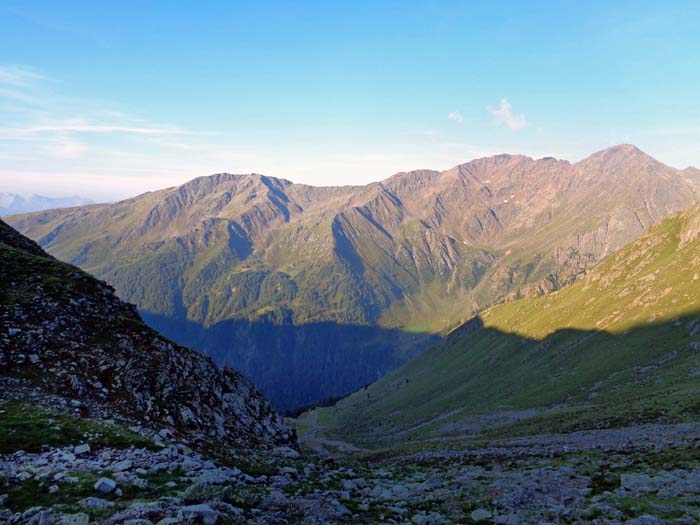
<point x="34" y="492"/>
<point x="32" y="428"/>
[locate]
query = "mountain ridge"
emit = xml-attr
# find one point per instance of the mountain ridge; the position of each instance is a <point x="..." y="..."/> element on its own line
<point x="420" y="251"/>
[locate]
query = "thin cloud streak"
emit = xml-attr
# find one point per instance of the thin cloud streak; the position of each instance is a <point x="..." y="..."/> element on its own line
<point x="21" y="76"/>
<point x="43" y="126"/>
<point x="105" y="128"/>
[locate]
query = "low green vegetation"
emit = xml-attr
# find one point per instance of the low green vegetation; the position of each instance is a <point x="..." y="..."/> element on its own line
<point x="30" y="428"/>
<point x="34" y="492"/>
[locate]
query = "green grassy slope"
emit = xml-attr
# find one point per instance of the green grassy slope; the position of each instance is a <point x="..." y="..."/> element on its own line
<point x="619" y="346"/>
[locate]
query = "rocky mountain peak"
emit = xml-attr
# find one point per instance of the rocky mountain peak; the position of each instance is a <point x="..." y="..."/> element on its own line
<point x="622" y="156"/>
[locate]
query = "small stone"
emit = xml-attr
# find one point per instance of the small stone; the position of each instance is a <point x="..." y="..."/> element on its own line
<point x="81" y="449"/>
<point x="73" y="519"/>
<point x="95" y="503"/>
<point x="285" y="452"/>
<point x="202" y="512"/>
<point x="121" y="466"/>
<point x="340" y="509"/>
<point x="201" y="492"/>
<point x="480" y="515"/>
<point x="105" y="485"/>
<point x="45" y="518"/>
<point x="141" y="483"/>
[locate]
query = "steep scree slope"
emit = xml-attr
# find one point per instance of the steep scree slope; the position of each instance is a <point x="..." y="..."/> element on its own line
<point x="70" y="335"/>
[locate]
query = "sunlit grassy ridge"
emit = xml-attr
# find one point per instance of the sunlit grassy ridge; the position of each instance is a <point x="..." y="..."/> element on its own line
<point x="623" y="344"/>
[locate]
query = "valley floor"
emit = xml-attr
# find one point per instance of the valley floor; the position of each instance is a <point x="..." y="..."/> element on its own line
<point x="646" y="474"/>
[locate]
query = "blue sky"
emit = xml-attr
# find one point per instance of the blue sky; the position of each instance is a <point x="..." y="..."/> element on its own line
<point x="108" y="100"/>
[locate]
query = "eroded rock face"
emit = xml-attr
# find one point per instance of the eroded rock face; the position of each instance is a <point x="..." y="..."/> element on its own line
<point x="74" y="336"/>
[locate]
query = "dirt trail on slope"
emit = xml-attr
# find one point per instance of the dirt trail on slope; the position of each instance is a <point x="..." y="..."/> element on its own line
<point x="309" y="437"/>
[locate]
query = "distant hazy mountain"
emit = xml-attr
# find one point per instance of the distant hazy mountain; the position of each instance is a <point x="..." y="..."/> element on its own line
<point x="13" y="203"/>
<point x="315" y="291"/>
<point x="619" y="347"/>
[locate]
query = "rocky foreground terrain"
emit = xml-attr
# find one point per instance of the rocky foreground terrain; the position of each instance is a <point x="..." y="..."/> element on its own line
<point x="638" y="475"/>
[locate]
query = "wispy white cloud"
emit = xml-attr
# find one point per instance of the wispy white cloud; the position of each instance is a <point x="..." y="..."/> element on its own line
<point x="56" y="143"/>
<point x="456" y="116"/>
<point x="65" y="148"/>
<point x="83" y="126"/>
<point x="19" y="96"/>
<point x="14" y="75"/>
<point x="41" y="124"/>
<point x="503" y="114"/>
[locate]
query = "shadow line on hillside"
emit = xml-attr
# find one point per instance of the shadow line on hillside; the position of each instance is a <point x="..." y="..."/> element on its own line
<point x="486" y="375"/>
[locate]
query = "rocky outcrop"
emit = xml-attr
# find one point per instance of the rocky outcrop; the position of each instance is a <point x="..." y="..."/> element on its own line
<point x="72" y="335"/>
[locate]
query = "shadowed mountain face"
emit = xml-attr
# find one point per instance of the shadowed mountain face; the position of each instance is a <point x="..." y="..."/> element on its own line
<point x="419" y="252"/>
<point x="293" y="360"/>
<point x="618" y="347"/>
